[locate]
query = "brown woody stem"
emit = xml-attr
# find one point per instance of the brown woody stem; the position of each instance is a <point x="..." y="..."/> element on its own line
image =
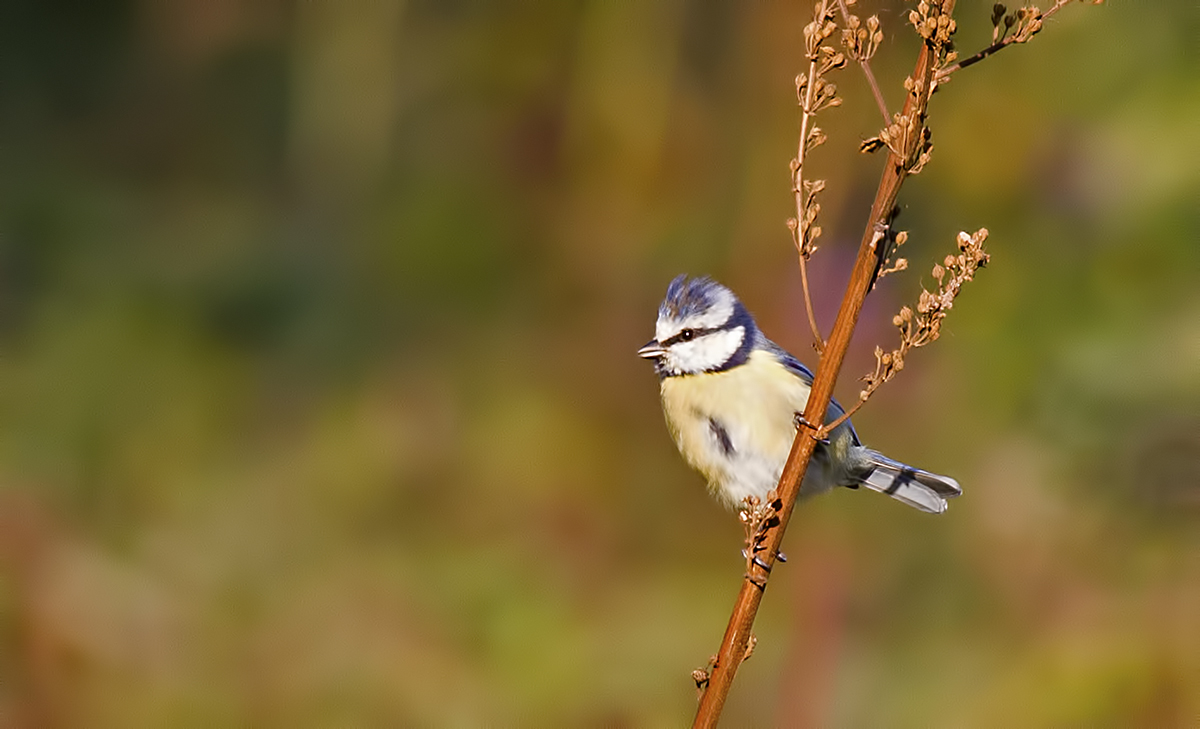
<point x="745" y="609"/>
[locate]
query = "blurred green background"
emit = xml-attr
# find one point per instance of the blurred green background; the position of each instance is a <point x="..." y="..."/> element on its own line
<point x="319" y="403"/>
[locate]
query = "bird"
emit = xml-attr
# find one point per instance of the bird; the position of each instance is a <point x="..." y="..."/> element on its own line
<point x="733" y="400"/>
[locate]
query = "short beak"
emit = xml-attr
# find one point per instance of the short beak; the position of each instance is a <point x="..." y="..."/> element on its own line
<point x="652" y="350"/>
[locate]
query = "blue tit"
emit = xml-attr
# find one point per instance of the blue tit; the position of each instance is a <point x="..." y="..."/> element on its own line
<point x="732" y="399"/>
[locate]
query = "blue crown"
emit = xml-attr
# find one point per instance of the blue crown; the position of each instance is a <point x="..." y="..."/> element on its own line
<point x="689" y="297"/>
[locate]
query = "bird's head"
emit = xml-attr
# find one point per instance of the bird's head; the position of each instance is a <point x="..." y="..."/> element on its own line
<point x="702" y="327"/>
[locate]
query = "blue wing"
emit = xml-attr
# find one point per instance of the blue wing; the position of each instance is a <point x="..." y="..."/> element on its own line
<point x="797" y="368"/>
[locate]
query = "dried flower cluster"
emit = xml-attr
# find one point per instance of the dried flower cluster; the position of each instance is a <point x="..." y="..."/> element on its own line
<point x="887" y="262"/>
<point x="907" y="137"/>
<point x="1008" y="27"/>
<point x="1027" y="20"/>
<point x="813" y="93"/>
<point x="861" y="43"/>
<point x="925" y="324"/>
<point x="933" y="22"/>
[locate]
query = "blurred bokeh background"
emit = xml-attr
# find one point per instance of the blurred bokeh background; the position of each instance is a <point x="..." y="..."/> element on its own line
<point x="319" y="403"/>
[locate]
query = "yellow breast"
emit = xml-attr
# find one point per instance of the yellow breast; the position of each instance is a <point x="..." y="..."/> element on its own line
<point x="755" y="403"/>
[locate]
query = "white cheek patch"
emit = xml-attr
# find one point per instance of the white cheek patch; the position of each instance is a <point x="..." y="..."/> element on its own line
<point x="706" y="353"/>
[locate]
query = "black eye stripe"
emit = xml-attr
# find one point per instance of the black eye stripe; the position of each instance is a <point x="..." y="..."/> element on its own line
<point x="695" y="333"/>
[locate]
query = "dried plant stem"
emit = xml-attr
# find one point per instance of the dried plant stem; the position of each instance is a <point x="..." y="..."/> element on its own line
<point x="745" y="609"/>
<point x="807" y="113"/>
<point x="866" y="68"/>
<point x="818" y="342"/>
<point x="1003" y="42"/>
<point x="833" y="425"/>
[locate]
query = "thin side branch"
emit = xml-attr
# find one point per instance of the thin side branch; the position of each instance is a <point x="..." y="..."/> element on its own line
<point x="925" y="325"/>
<point x="1027" y="20"/>
<point x="818" y="342"/>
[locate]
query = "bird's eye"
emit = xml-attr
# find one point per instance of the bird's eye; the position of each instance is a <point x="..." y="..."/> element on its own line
<point x="686" y="335"/>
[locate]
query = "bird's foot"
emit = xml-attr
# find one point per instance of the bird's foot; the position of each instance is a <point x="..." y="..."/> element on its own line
<point x="818" y="433"/>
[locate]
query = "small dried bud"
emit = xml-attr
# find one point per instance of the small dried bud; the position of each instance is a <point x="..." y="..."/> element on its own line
<point x="901" y="238"/>
<point x="938" y="272"/>
<point x="925" y="302"/>
<point x="870" y="145"/>
<point x="792" y="224"/>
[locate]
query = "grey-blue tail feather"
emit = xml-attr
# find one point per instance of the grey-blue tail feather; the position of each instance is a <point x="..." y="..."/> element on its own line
<point x="919" y="489"/>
